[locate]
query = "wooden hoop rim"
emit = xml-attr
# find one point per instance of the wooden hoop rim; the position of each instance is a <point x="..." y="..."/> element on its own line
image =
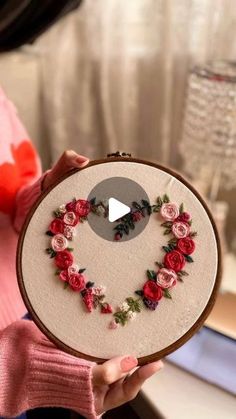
<point x="151" y="357"/>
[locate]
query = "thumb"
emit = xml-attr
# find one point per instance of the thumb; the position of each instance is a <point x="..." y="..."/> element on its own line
<point x="112" y="370"/>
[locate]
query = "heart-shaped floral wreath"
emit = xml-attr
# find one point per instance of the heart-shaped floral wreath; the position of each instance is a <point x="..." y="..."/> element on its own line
<point x="176" y="222"/>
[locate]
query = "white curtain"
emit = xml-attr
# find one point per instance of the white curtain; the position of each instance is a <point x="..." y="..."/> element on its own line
<point x="113" y="73"/>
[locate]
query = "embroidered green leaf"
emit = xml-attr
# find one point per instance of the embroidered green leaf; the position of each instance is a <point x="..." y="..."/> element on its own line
<point x="139" y="292"/>
<point x="83" y="219"/>
<point x="82" y="270"/>
<point x="149" y="209"/>
<point x="181" y="208"/>
<point x="57" y="272"/>
<point x="57" y="214"/>
<point x="136" y="205"/>
<point x="167" y="224"/>
<point x="156" y="208"/>
<point x="160" y="265"/>
<point x="193" y="234"/>
<point x="179" y="278"/>
<point x="89" y="284"/>
<point x="167" y="231"/>
<point x="167" y="293"/>
<point x="183" y="273"/>
<point x="151" y="275"/>
<point x="171" y="246"/>
<point x="145" y="203"/>
<point x="126" y="229"/>
<point x="172" y="241"/>
<point x="49" y="233"/>
<point x="190" y="222"/>
<point x="131" y="224"/>
<point x="66" y="284"/>
<point x="133" y="304"/>
<point x="159" y="201"/>
<point x="188" y="258"/>
<point x="166" y="249"/>
<point x="165" y="198"/>
<point x="70" y="249"/>
<point x="120" y="317"/>
<point x="93" y="201"/>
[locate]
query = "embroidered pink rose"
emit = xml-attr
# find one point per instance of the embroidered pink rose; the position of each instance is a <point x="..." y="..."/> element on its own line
<point x="169" y="211"/>
<point x="77" y="282"/>
<point x="70" y="218"/>
<point x="137" y="216"/>
<point x="73" y="269"/>
<point x="69" y="232"/>
<point x="166" y="278"/>
<point x="99" y="290"/>
<point x="59" y="243"/>
<point x="180" y="229"/>
<point x="113" y="325"/>
<point x="82" y="207"/>
<point x="64" y="276"/>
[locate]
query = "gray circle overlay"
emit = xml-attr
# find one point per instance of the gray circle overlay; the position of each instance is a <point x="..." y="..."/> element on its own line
<point x="124" y="190"/>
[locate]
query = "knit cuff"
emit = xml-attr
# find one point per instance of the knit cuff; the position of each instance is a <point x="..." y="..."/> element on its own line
<point x="58" y="379"/>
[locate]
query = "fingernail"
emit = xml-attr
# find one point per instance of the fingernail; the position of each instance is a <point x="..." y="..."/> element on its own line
<point x="81" y="159"/>
<point x="127" y="363"/>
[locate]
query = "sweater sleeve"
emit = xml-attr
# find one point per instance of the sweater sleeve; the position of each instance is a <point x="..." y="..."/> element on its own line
<point x="24" y="200"/>
<point x="34" y="373"/>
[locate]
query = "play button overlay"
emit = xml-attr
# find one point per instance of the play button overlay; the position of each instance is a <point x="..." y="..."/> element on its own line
<point x="116" y="209"/>
<point x="117" y="195"/>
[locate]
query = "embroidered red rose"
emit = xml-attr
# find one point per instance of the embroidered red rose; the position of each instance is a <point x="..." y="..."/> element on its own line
<point x="70" y="206"/>
<point x="57" y="226"/>
<point x="88" y="300"/>
<point x="106" y="308"/>
<point x="77" y="282"/>
<point x="82" y="207"/>
<point x="137" y="216"/>
<point x="185" y="217"/>
<point x="64" y="259"/>
<point x="186" y="245"/>
<point x="152" y="291"/>
<point x="174" y="260"/>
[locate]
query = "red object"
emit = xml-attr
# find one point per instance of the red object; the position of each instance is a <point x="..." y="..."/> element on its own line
<point x="57" y="226"/>
<point x="71" y="206"/>
<point x="186" y="245"/>
<point x="152" y="291"/>
<point x="82" y="207"/>
<point x="117" y="236"/>
<point x="106" y="308"/>
<point x="77" y="282"/>
<point x="137" y="216"/>
<point x="88" y="300"/>
<point x="185" y="217"/>
<point x="64" y="259"/>
<point x="174" y="260"/>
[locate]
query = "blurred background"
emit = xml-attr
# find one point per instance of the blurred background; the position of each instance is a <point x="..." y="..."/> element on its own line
<point x="156" y="78"/>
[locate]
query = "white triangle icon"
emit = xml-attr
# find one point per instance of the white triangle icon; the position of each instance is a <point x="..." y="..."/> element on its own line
<point x="116" y="209"/>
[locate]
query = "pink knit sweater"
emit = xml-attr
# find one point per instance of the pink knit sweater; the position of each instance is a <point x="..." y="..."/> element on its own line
<point x="33" y="372"/>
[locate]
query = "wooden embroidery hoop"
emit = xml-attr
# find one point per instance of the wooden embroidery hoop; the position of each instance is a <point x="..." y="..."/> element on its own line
<point x="144" y="359"/>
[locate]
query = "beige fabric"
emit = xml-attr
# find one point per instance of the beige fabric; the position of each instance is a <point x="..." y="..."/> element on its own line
<point x="119" y="266"/>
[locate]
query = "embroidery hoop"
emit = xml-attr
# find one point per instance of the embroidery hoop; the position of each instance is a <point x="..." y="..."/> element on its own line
<point x="142" y="359"/>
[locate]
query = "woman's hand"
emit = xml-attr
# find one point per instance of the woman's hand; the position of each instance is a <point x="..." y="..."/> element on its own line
<point x="68" y="160"/>
<point x="113" y="387"/>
